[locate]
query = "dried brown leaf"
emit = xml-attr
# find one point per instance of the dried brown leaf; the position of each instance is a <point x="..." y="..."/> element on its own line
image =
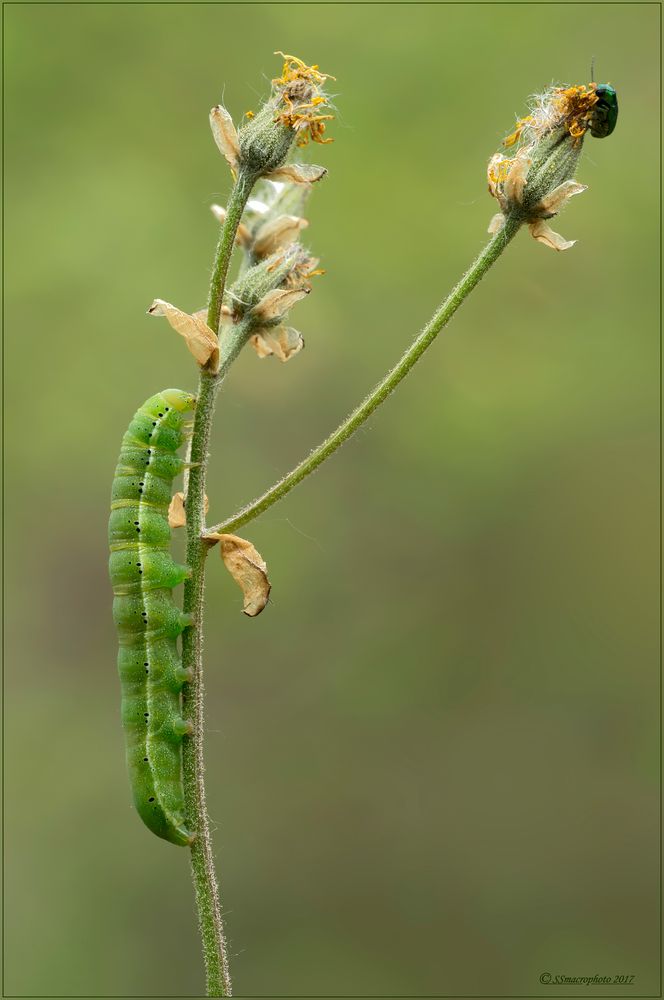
<point x="198" y="336"/>
<point x="248" y="569"/>
<point x="176" y="513"/>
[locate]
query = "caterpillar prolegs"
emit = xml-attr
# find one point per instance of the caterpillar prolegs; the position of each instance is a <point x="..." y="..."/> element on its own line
<point x="143" y="574"/>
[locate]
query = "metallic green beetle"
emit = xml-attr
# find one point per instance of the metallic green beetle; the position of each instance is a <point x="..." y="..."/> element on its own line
<point x="604" y="114"/>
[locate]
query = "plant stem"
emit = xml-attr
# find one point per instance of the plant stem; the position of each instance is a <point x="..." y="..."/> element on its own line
<point x="441" y="317"/>
<point x="222" y="258"/>
<point x="202" y="858"/>
<point x="218" y="982"/>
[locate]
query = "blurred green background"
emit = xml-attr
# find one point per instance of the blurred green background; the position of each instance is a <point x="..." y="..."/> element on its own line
<point x="432" y="762"/>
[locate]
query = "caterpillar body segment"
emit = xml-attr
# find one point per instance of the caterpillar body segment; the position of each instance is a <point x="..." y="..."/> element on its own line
<point x="148" y="623"/>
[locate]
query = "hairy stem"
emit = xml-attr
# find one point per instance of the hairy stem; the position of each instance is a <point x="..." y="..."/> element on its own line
<point x="440" y="318"/>
<point x="202" y="858"/>
<point x="222" y="258"/>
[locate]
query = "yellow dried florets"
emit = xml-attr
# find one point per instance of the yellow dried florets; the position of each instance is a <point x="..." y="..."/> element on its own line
<point x="291" y="115"/>
<point x="560" y="107"/>
<point x="300" y="91"/>
<point x="302" y="269"/>
<point x="301" y="275"/>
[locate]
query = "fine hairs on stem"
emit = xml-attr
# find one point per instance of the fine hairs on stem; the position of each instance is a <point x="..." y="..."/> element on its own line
<point x="531" y="178"/>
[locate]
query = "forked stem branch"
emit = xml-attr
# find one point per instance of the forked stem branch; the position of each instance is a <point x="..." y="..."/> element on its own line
<point x="440" y="319"/>
<point x="202" y="858"/>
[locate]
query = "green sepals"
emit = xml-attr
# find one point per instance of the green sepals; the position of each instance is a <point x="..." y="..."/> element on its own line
<point x="264" y="142"/>
<point x="554" y="161"/>
<point x="262" y="278"/>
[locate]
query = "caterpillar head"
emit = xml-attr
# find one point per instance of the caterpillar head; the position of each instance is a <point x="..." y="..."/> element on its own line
<point x="179" y="400"/>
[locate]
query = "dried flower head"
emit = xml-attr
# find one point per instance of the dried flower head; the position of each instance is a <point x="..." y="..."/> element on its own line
<point x="262" y="297"/>
<point x="301" y="98"/>
<point x="294" y="113"/>
<point x="536" y="181"/>
<point x="569" y="108"/>
<point x="289" y="268"/>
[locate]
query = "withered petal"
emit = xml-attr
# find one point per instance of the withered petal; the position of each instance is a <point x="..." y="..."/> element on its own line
<point x="225" y="135"/>
<point x="544" y="234"/>
<point x="278" y="233"/>
<point x="517" y="176"/>
<point x="299" y="173"/>
<point x="282" y="342"/>
<point x="277" y="302"/>
<point x="497" y="222"/>
<point x="198" y="336"/>
<point x="554" y="201"/>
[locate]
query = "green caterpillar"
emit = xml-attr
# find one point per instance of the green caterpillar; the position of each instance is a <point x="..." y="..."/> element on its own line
<point x="148" y="623"/>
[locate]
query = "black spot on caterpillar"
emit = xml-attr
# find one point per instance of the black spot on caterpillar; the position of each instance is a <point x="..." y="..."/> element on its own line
<point x="143" y="574"/>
